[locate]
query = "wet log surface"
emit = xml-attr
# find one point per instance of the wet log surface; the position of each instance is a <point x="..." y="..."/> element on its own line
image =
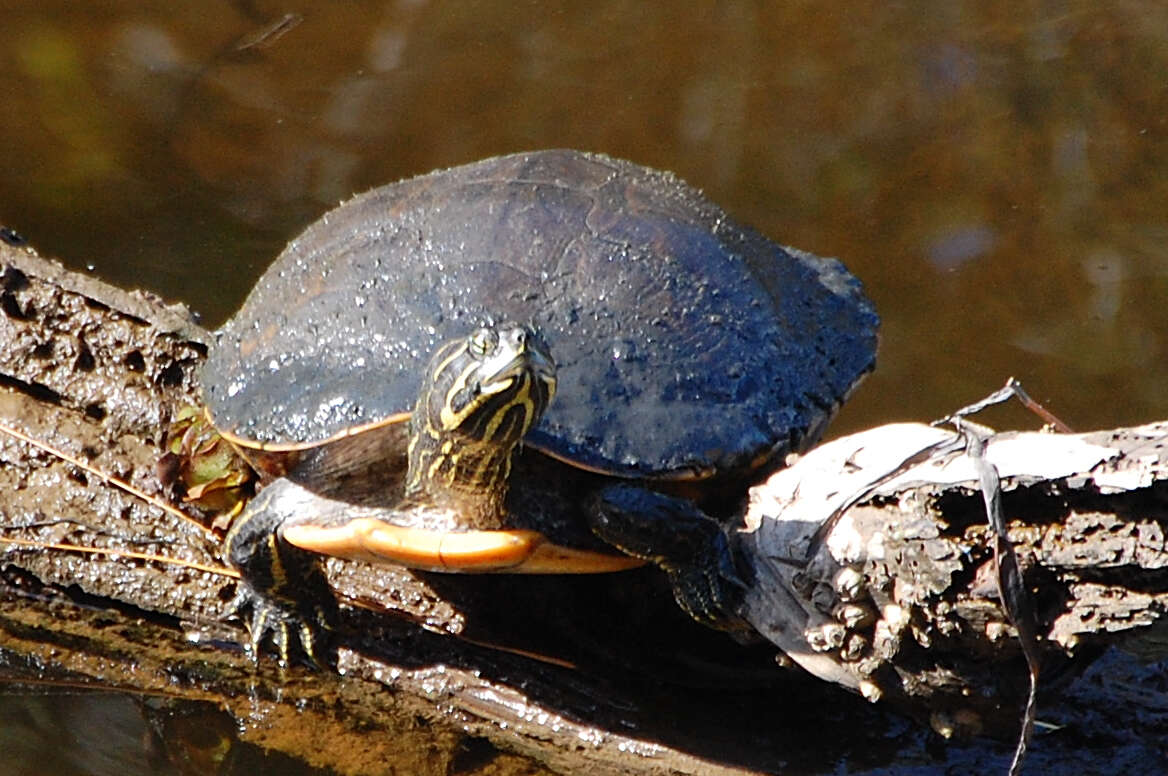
<point x="899" y="600"/>
<point x="444" y="674"/>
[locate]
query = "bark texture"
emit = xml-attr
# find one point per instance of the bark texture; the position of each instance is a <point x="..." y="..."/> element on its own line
<point x="901" y="596"/>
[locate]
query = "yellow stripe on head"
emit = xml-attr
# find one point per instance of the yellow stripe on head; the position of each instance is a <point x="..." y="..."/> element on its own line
<point x="481" y="395"/>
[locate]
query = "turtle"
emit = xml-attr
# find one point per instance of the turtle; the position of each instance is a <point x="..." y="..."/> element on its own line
<point x="545" y="362"/>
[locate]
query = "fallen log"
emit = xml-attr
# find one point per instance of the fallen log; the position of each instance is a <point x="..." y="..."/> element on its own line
<point x="430" y="667"/>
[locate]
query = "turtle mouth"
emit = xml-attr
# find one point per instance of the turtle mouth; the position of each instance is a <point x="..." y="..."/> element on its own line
<point x="498" y="398"/>
<point x="532" y="363"/>
<point x="520" y="353"/>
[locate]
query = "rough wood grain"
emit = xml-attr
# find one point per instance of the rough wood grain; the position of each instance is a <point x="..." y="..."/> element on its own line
<point x="901" y="597"/>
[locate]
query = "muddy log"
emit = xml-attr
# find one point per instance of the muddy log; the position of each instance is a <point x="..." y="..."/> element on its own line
<point x="596" y="675"/>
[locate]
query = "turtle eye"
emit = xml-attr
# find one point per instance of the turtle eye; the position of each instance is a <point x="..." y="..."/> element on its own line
<point x="482" y="342"/>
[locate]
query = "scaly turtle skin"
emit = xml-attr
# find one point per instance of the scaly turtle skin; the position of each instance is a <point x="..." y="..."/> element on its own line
<point x="691" y="354"/>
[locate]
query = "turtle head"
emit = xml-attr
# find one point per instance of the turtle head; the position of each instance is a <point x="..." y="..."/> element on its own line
<point x="489" y="387"/>
<point x="480" y="395"/>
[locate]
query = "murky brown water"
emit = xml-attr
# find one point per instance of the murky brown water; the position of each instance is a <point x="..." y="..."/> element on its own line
<point x="997" y="177"/>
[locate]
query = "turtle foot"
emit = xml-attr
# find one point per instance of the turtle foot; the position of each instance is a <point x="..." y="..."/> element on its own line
<point x="283" y="592"/>
<point x="294" y="628"/>
<point x="688" y="545"/>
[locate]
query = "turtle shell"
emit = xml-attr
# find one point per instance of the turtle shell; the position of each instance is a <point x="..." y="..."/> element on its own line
<point x="685" y="342"/>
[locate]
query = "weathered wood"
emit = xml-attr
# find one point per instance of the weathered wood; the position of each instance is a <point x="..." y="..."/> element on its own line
<point x="901" y="597"/>
<point x="429" y="663"/>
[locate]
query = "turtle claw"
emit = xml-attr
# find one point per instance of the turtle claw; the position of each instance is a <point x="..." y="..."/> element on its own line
<point x="286" y="625"/>
<point x="688" y="545"/>
<point x="709" y="590"/>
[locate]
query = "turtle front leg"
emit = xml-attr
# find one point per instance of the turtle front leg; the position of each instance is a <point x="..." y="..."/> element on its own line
<point x="282" y="586"/>
<point x="689" y="546"/>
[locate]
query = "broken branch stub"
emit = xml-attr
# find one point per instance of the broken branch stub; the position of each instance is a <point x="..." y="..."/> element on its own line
<point x="901" y="597"/>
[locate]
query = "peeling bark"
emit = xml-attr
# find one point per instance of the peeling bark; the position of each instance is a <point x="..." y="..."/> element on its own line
<point x="900" y="598"/>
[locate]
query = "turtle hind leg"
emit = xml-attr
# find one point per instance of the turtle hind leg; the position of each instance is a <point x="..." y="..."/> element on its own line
<point x="688" y="545"/>
<point x="283" y="588"/>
